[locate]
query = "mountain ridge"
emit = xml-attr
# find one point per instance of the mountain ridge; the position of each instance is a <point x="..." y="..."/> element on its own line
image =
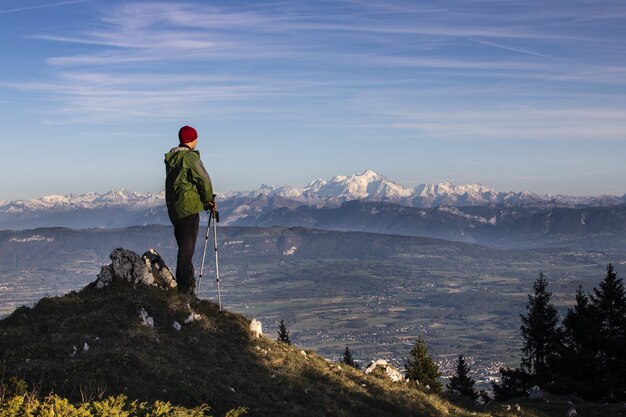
<point x="122" y="207"/>
<point x="368" y="185"/>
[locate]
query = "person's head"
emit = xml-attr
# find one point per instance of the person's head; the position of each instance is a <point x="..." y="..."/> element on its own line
<point x="187" y="135"/>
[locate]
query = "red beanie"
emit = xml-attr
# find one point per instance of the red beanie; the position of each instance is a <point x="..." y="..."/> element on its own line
<point x="187" y="134"/>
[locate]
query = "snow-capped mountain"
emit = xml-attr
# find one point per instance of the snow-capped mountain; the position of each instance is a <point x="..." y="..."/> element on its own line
<point x="372" y="186"/>
<point x="368" y="185"/>
<point x="124" y="208"/>
<point x="70" y="202"/>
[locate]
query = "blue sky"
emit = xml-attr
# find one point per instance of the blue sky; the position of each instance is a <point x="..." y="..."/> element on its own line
<point x="517" y="95"/>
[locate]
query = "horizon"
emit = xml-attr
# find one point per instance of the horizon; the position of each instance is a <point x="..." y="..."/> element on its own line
<point x="518" y="96"/>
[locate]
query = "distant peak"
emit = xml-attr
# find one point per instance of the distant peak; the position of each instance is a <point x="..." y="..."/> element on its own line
<point x="317" y="183"/>
<point x="371" y="174"/>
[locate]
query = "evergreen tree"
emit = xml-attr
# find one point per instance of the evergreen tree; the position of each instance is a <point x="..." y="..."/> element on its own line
<point x="580" y="325"/>
<point x="578" y="368"/>
<point x="540" y="333"/>
<point x="283" y="333"/>
<point x="421" y="368"/>
<point x="348" y="359"/>
<point x="514" y="383"/>
<point x="541" y="341"/>
<point x="593" y="355"/>
<point x="460" y="383"/>
<point x="608" y="303"/>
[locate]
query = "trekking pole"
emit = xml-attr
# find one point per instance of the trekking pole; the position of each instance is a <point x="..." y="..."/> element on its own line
<point x="206" y="241"/>
<point x="216" y="219"/>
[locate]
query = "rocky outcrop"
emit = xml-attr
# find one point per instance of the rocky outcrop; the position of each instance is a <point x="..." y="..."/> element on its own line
<point x="163" y="277"/>
<point x="382" y="368"/>
<point x="126" y="265"/>
<point x="256" y="328"/>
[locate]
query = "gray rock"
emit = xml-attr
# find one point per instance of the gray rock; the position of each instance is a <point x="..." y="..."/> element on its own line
<point x="126" y="265"/>
<point x="145" y="318"/>
<point x="163" y="277"/>
<point x="390" y="372"/>
<point x="193" y="317"/>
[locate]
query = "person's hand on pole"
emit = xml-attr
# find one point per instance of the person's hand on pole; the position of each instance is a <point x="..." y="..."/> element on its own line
<point x="211" y="208"/>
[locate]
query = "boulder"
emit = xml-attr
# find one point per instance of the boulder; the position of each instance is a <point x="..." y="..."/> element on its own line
<point x="387" y="370"/>
<point x="256" y="328"/>
<point x="128" y="266"/>
<point x="163" y="277"/>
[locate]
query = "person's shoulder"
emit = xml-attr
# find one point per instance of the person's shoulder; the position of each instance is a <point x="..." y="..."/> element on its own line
<point x="192" y="154"/>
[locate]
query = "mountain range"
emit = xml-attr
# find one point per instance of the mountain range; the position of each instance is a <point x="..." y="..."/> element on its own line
<point x="364" y="202"/>
<point x="372" y="186"/>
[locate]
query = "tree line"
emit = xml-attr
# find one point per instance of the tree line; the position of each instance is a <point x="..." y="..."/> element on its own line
<point x="583" y="354"/>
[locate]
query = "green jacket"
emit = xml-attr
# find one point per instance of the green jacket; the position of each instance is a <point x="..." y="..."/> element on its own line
<point x="188" y="187"/>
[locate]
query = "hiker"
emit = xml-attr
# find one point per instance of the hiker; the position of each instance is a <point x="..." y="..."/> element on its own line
<point x="188" y="191"/>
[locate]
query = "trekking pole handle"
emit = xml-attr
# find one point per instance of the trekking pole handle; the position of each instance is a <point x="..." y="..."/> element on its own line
<point x="214" y="212"/>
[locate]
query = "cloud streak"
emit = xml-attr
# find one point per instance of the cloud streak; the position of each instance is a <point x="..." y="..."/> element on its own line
<point x="359" y="57"/>
<point x="525" y="124"/>
<point x="41" y="6"/>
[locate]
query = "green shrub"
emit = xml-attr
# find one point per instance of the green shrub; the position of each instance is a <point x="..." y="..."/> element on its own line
<point x="27" y="405"/>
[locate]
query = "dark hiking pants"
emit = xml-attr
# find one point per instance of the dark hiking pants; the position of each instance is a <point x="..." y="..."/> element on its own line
<point x="186" y="232"/>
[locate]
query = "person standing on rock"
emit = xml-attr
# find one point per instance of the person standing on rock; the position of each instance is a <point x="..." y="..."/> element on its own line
<point x="188" y="191"/>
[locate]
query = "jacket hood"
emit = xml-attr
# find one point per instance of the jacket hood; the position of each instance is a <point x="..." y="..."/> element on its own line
<point x="177" y="152"/>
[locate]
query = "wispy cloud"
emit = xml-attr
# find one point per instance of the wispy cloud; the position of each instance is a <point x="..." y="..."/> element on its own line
<point x="41" y="6"/>
<point x="515" y="49"/>
<point x="519" y="124"/>
<point x="138" y="57"/>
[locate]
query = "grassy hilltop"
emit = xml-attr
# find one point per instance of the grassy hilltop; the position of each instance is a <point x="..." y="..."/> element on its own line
<point x="93" y="344"/>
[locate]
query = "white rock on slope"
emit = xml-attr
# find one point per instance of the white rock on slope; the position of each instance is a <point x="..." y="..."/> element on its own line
<point x="392" y="373"/>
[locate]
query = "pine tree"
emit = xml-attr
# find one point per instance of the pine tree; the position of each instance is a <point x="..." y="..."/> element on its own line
<point x="540" y="332"/>
<point x="580" y="325"/>
<point x="594" y="344"/>
<point x="348" y="359"/>
<point x="608" y="303"/>
<point x="577" y="367"/>
<point x="421" y="368"/>
<point x="283" y="333"/>
<point x="460" y="383"/>
<point x="514" y="383"/>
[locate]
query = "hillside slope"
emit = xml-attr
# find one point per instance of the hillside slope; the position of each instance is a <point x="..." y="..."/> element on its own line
<point x="154" y="344"/>
<point x="95" y="343"/>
